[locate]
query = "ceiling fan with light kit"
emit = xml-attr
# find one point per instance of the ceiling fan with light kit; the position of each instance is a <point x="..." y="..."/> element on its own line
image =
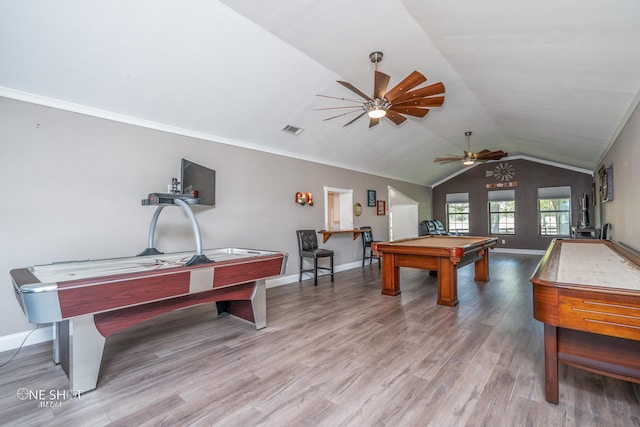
<point x="469" y="158"/>
<point x="403" y="99"/>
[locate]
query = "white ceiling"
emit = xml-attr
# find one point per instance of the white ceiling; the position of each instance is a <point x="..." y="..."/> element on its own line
<point x="553" y="80"/>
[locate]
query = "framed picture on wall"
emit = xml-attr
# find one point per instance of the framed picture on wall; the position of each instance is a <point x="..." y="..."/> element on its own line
<point x="381" y="208"/>
<point x="371" y="198"/>
<point x="606" y="184"/>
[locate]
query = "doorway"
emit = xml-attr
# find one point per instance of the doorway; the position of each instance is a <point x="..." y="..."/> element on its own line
<point x="338" y="212"/>
<point x="403" y="215"/>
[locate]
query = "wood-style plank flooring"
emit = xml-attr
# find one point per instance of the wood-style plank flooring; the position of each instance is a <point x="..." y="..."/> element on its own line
<point x="338" y="354"/>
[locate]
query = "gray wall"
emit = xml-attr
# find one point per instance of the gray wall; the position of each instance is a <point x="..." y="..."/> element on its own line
<point x="623" y="211"/>
<point x="73" y="185"/>
<point x="529" y="176"/>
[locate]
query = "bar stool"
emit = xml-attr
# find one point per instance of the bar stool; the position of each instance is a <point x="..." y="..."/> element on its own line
<point x="367" y="240"/>
<point x="308" y="248"/>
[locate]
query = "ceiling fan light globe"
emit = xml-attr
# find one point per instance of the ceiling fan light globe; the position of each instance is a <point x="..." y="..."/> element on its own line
<point x="468" y="162"/>
<point x="377" y="113"/>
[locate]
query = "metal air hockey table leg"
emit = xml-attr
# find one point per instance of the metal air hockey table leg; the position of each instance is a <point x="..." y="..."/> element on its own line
<point x="253" y="310"/>
<point x="80" y="348"/>
<point x="259" y="304"/>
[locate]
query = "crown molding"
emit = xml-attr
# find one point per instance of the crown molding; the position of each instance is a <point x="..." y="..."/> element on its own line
<point x="520" y="157"/>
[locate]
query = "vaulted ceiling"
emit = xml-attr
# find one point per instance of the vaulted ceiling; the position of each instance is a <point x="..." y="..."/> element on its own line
<point x="548" y="80"/>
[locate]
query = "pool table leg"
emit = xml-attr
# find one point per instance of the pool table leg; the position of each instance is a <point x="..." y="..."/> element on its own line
<point x="447" y="282"/>
<point x="390" y="275"/>
<point x="482" y="267"/>
<point x="80" y="348"/>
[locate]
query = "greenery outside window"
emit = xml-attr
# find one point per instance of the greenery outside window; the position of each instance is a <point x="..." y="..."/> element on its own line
<point x="502" y="212"/>
<point x="457" y="207"/>
<point x="458" y="218"/>
<point x="554" y="209"/>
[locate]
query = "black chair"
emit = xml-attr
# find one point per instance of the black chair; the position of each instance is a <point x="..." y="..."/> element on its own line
<point x="432" y="227"/>
<point x="440" y="228"/>
<point x="308" y="248"/>
<point x="423" y="230"/>
<point x="367" y="240"/>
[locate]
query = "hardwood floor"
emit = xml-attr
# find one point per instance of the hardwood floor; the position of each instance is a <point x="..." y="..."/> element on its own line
<point x="337" y="354"/>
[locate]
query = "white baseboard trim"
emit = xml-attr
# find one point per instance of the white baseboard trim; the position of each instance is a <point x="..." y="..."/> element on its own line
<point x="13" y="341"/>
<point x="520" y="251"/>
<point x="285" y="280"/>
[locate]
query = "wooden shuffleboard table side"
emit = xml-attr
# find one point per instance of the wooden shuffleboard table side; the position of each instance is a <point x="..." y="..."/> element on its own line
<point x="595" y="328"/>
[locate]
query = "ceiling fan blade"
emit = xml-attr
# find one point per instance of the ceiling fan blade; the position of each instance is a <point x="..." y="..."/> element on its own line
<point x="435" y="101"/>
<point x="380" y="84"/>
<point x="431" y="90"/>
<point x="354" y="89"/>
<point x="355" y="119"/>
<point x="339" y="115"/>
<point x="491" y="155"/>
<point x="395" y="117"/>
<point x="409" y="82"/>
<point x="340" y="98"/>
<point x="338" y="108"/>
<point x="447" y="159"/>
<point x="410" y="111"/>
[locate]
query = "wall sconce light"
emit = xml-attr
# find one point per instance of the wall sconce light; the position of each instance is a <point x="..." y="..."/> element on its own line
<point x="304" y="199"/>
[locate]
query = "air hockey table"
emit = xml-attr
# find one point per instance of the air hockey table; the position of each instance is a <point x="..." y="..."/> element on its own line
<point x="87" y="301"/>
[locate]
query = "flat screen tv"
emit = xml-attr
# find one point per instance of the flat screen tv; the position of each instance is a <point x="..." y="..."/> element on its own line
<point x="198" y="181"/>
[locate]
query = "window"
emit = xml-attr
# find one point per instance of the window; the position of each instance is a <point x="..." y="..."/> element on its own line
<point x="458" y="213"/>
<point x="554" y="208"/>
<point x="502" y="212"/>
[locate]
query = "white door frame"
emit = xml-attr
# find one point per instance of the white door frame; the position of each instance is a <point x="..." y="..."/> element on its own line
<point x="403" y="215"/>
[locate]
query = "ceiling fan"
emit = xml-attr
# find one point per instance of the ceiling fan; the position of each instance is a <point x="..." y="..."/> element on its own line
<point x="470" y="158"/>
<point x="394" y="103"/>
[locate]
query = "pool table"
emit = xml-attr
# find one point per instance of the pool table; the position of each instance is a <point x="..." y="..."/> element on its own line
<point x="441" y="254"/>
<point x="88" y="301"/>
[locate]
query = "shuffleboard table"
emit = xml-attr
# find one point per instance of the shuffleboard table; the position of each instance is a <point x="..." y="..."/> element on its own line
<point x="87" y="301"/>
<point x="587" y="294"/>
<point x="442" y="254"/>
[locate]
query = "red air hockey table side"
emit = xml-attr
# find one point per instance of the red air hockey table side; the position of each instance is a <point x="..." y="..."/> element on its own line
<point x="87" y="301"/>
